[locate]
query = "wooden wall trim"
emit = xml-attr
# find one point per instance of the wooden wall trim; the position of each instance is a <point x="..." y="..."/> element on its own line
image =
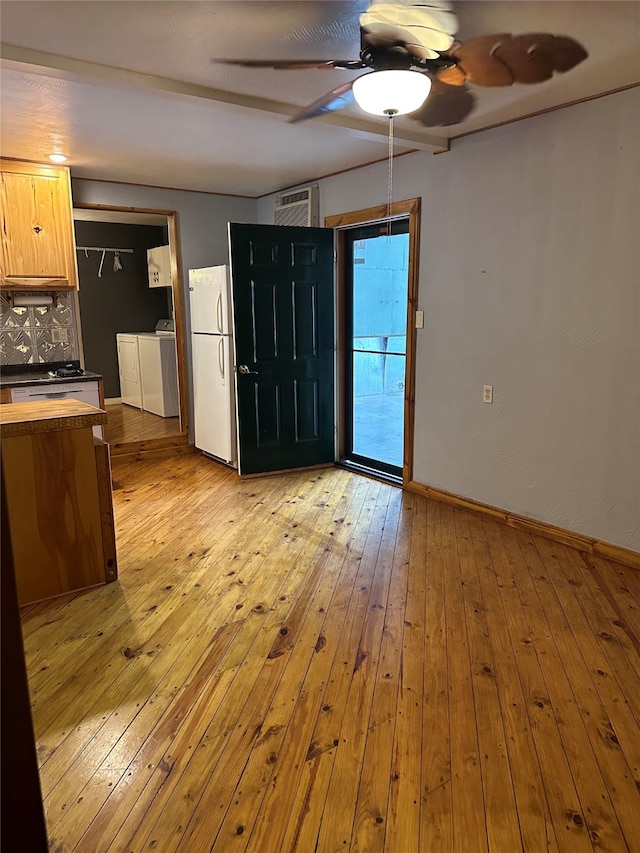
<point x="412" y="339"/>
<point x="179" y="323"/>
<point x="558" y="534"/>
<point x="373" y="214"/>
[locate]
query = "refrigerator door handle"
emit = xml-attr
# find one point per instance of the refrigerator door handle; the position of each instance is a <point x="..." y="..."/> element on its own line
<point x="221" y="357"/>
<point x="219" y="312"/>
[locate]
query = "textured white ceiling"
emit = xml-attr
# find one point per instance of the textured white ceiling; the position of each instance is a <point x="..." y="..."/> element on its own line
<point x="130" y="92"/>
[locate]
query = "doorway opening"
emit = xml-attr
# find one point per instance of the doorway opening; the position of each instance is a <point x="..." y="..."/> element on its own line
<point x="119" y="303"/>
<point x="376" y="340"/>
<point x="377" y="267"/>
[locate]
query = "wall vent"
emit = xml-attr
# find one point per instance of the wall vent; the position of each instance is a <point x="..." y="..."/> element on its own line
<point x="299" y="207"/>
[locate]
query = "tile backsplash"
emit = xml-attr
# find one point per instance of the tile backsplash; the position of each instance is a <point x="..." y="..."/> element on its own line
<point x="37" y="333"/>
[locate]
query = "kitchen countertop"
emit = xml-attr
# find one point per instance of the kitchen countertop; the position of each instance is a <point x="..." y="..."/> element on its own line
<point x="15" y="380"/>
<point x="48" y="416"/>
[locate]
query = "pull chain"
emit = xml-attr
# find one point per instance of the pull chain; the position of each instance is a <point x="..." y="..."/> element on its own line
<point x="390" y="173"/>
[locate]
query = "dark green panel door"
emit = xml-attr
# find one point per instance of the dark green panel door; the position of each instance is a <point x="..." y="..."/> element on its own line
<point x="284" y="345"/>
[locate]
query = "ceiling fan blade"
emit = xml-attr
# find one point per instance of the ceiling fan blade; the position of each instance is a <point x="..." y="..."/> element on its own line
<point x="528" y="56"/>
<point x="413" y="23"/>
<point x="453" y="76"/>
<point x="475" y="57"/>
<point x="435" y="14"/>
<point x="503" y="59"/>
<point x="294" y="64"/>
<point x="567" y="53"/>
<point x="336" y="99"/>
<point x="445" y="105"/>
<point x="544" y="52"/>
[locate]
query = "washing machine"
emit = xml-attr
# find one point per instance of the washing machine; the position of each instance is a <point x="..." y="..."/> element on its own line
<point x="159" y="374"/>
<point x="129" y="369"/>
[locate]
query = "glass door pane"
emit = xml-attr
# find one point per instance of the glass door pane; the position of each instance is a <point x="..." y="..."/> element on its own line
<point x="376" y="303"/>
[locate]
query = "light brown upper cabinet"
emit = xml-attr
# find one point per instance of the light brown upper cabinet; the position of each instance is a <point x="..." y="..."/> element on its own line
<point x="36" y="216"/>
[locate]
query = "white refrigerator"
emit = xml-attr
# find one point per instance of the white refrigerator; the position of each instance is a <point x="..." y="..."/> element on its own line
<point x="213" y="371"/>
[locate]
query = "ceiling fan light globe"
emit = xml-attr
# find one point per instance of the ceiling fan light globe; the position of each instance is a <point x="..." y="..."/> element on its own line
<point x="391" y="92"/>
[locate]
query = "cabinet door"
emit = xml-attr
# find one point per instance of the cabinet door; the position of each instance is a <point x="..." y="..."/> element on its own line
<point x="38" y="246"/>
<point x="52" y="487"/>
<point x="159" y="266"/>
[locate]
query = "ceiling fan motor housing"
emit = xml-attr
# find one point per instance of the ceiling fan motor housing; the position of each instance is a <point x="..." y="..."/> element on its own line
<point x="398" y="57"/>
<point x="394" y="58"/>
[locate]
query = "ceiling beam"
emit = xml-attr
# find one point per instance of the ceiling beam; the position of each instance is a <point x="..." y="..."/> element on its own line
<point x="65" y="67"/>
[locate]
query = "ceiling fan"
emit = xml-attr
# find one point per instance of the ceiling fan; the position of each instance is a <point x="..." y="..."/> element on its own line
<point x="417" y="67"/>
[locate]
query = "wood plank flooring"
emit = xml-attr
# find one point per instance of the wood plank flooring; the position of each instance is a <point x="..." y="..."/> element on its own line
<point x="126" y="423"/>
<point x="317" y="661"/>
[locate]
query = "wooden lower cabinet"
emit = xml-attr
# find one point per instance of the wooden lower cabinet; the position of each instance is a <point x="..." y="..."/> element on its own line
<point x="58" y="488"/>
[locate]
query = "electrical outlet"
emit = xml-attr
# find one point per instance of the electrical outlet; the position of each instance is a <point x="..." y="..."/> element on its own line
<point x="487" y="394"/>
<point x="59" y="336"/>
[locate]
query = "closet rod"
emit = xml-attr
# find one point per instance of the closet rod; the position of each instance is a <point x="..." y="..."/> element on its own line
<point x="101" y="249"/>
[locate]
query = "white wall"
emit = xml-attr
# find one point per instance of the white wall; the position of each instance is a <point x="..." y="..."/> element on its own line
<point x="202" y="225"/>
<point x="530" y="281"/>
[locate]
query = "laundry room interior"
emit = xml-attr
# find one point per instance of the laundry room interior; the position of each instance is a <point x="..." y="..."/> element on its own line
<point x="125" y="311"/>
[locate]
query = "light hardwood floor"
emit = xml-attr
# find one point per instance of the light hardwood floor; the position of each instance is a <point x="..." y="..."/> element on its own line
<point x="126" y="423"/>
<point x="319" y="662"/>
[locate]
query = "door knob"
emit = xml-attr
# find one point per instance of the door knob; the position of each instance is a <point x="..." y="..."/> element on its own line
<point x="242" y="368"/>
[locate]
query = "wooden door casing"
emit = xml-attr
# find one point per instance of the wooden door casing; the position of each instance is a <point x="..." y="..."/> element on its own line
<point x="340" y="222"/>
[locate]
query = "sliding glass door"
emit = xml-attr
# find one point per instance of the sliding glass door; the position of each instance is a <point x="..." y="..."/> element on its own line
<point x="376" y="335"/>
